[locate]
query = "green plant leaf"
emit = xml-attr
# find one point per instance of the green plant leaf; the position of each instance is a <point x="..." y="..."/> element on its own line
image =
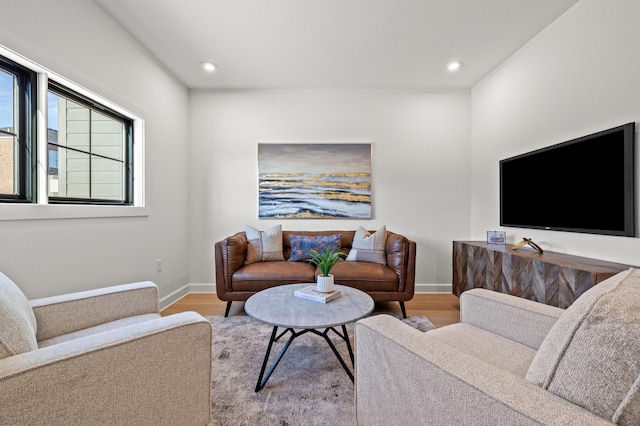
<point x="325" y="259"/>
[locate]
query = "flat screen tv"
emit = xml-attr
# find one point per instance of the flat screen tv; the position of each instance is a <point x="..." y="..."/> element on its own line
<point x="582" y="185"/>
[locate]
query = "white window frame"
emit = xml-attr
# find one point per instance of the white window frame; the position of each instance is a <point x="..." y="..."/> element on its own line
<point x="41" y="209"/>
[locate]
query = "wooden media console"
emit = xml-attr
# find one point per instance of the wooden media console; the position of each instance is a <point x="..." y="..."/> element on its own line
<point x="553" y="278"/>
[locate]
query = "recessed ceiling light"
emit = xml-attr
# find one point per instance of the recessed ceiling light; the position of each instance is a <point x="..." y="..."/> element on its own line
<point x="209" y="66"/>
<point x="454" y="66"/>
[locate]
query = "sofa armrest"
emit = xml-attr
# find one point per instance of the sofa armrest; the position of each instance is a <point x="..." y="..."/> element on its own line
<point x="66" y="313"/>
<point x="401" y="257"/>
<point x="156" y="372"/>
<point x="515" y="318"/>
<point x="404" y="376"/>
<point x="230" y="255"/>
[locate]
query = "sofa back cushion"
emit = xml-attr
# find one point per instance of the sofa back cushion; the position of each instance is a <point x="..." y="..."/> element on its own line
<point x="264" y="246"/>
<point x="346" y="239"/>
<point x="17" y="320"/>
<point x="368" y="246"/>
<point x="302" y="245"/>
<point x="591" y="355"/>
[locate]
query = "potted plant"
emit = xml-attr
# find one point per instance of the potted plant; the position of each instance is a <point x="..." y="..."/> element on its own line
<point x="325" y="259"/>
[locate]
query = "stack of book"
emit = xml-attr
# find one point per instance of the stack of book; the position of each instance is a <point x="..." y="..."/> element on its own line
<point x="311" y="293"/>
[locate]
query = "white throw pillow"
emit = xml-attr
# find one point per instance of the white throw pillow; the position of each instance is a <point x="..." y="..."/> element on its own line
<point x="17" y="321"/>
<point x="368" y="247"/>
<point x="264" y="246"/>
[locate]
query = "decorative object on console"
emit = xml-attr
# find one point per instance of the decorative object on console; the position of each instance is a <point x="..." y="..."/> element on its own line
<point x="264" y="246"/>
<point x="527" y="242"/>
<point x="368" y="247"/>
<point x="302" y="245"/>
<point x="496" y="237"/>
<point x="316" y="180"/>
<point x="325" y="259"/>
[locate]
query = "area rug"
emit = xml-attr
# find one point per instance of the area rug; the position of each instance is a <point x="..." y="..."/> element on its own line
<point x="308" y="387"/>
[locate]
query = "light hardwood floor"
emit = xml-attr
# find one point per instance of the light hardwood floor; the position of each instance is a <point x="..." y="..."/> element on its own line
<point x="441" y="309"/>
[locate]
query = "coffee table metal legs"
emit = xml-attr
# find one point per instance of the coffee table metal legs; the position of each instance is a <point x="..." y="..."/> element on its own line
<point x="262" y="380"/>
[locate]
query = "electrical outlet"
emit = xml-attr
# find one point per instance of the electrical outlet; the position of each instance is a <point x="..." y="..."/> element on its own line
<point x="159" y="265"/>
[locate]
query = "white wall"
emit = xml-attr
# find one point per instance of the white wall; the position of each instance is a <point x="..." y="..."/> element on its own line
<point x="435" y="153"/>
<point x="578" y="76"/>
<point x="420" y="176"/>
<point x="78" y="40"/>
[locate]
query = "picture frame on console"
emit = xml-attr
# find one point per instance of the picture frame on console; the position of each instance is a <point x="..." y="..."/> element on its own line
<point x="496" y="237"/>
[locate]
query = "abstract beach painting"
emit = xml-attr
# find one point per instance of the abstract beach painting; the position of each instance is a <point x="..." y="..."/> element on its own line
<point x="314" y="180"/>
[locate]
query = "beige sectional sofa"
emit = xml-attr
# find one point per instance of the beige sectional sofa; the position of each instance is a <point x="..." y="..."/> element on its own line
<point x="102" y="357"/>
<point x="510" y="361"/>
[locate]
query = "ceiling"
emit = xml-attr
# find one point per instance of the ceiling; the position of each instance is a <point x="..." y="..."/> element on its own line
<point x="333" y="43"/>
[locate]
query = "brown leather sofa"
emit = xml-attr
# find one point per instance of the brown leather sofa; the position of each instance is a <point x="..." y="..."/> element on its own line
<point x="237" y="281"/>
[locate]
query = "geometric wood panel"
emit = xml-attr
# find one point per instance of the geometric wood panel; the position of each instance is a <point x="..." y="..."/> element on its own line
<point x="477" y="257"/>
<point x="516" y="276"/>
<point x="493" y="280"/>
<point x="556" y="279"/>
<point x="546" y="282"/>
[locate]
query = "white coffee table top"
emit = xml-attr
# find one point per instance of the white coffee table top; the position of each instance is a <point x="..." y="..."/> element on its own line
<point x="279" y="307"/>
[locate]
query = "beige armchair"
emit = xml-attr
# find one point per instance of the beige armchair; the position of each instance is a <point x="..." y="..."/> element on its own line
<point x="510" y="361"/>
<point x="101" y="357"/>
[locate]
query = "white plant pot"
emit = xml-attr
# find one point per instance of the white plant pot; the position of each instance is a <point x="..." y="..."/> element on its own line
<point x="324" y="284"/>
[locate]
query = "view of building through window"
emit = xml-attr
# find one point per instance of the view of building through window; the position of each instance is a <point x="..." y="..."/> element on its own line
<point x="86" y="151"/>
<point x="6" y="163"/>
<point x="85" y="148"/>
<point x="89" y="146"/>
<point x="7" y="135"/>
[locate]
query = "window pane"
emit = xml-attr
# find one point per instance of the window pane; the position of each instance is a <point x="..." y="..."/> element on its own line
<point x="7" y="101"/>
<point x="107" y="136"/>
<point x="106" y="179"/>
<point x="74" y="175"/>
<point x="52" y="111"/>
<point x="54" y="182"/>
<point x="8" y="155"/>
<point x="87" y="150"/>
<point x="73" y="125"/>
<point x="7" y="164"/>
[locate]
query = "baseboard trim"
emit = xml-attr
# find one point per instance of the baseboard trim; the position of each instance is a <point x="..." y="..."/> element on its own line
<point x="433" y="288"/>
<point x="202" y="288"/>
<point x="211" y="288"/>
<point x="174" y="296"/>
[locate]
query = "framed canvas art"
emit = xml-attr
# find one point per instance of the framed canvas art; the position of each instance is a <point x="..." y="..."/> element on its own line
<point x="314" y="180"/>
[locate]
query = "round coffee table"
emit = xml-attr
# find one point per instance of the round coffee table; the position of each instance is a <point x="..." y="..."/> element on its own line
<point x="279" y="307"/>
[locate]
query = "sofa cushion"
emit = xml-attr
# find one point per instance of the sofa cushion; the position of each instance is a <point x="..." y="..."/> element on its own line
<point x="264" y="246"/>
<point x="101" y="328"/>
<point x="365" y="276"/>
<point x="18" y="323"/>
<point x="488" y="347"/>
<point x="591" y="356"/>
<point x="368" y="247"/>
<point x="301" y="245"/>
<point x="258" y="276"/>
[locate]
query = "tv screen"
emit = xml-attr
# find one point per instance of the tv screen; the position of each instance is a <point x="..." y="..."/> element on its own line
<point x="582" y="185"/>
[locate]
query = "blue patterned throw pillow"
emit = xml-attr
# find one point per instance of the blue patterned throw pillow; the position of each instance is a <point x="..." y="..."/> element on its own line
<point x="301" y="245"/>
